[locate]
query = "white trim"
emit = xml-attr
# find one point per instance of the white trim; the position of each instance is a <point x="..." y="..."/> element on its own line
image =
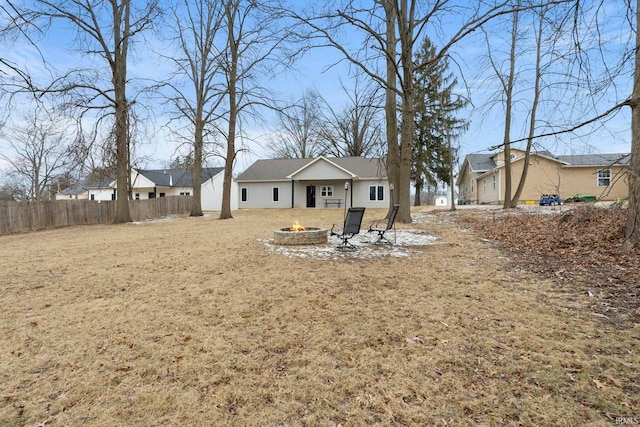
<point x="291" y="176"/>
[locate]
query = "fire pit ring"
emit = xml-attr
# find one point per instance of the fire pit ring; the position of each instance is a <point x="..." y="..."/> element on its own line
<point x="308" y="236"/>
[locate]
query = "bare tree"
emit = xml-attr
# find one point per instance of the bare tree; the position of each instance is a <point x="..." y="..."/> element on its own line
<point x="632" y="240"/>
<point x="255" y="35"/>
<point x="105" y="30"/>
<point x="39" y="151"/>
<point x="196" y="24"/>
<point x="389" y="37"/>
<point x="356" y="128"/>
<point x="298" y="131"/>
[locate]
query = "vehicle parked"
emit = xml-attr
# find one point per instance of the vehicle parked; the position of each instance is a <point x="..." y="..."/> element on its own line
<point x="549" y="200"/>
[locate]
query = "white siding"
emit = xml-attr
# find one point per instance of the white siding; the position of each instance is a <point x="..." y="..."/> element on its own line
<point x="260" y="195"/>
<point x="101" y="193"/>
<point x="321" y="170"/>
<point x="211" y="193"/>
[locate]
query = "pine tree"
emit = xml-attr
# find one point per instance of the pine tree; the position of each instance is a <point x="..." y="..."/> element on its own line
<point x="435" y="121"/>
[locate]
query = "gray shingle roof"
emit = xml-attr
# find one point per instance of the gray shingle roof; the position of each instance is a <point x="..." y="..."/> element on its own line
<point x="178" y="177"/>
<point x="484" y="162"/>
<point x="481" y="162"/>
<point x="72" y="191"/>
<point x="280" y="169"/>
<point x="596" y="159"/>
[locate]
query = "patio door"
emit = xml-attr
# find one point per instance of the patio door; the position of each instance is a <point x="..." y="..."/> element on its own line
<point x="311" y="196"/>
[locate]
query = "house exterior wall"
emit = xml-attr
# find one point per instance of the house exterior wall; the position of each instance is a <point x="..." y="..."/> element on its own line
<point x="101" y="193"/>
<point x="211" y="193"/>
<point x="584" y="181"/>
<point x="468" y="187"/>
<point x="80" y="196"/>
<point x="260" y="194"/>
<point x="544" y="176"/>
<point x="489" y="187"/>
<point x="361" y="194"/>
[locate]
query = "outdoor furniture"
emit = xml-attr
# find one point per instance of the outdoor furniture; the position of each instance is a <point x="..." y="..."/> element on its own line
<point x="376" y="226"/>
<point x="328" y="202"/>
<point x="351" y="227"/>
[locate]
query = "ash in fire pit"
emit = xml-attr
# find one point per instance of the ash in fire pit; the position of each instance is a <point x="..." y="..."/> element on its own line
<point x="299" y="235"/>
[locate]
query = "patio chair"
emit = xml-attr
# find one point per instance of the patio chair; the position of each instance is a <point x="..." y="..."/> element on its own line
<point x="351" y="227"/>
<point x="377" y="227"/>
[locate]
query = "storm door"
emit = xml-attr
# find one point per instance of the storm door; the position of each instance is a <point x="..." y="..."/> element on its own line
<point x="311" y="196"/>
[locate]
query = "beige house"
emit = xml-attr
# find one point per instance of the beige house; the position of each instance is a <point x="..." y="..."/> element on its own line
<point x="482" y="176"/>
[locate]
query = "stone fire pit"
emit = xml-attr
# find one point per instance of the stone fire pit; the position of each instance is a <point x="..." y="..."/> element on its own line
<point x="306" y="236"/>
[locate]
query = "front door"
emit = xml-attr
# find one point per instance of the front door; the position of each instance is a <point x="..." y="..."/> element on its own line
<point x="311" y="196"/>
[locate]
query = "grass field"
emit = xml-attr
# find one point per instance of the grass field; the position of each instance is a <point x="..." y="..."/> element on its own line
<point x="198" y="321"/>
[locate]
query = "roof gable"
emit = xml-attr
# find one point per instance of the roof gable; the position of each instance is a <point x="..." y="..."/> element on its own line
<point x="321" y="168"/>
<point x="481" y="162"/>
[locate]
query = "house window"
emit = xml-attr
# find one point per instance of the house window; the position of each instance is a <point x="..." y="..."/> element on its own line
<point x="161" y="194"/>
<point x="326" y="191"/>
<point x="93" y="197"/>
<point x="376" y="192"/>
<point x="152" y="195"/>
<point x="484" y="185"/>
<point x="494" y="182"/>
<point x="137" y="196"/>
<point x="243" y="196"/>
<point x="604" y="177"/>
<point x="185" y="193"/>
<point x="275" y="194"/>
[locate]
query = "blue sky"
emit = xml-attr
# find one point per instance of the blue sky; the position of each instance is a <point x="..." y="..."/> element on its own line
<point x="485" y="127"/>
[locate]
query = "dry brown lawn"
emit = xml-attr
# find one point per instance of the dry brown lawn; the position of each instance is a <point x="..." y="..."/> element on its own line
<point x="197" y="321"/>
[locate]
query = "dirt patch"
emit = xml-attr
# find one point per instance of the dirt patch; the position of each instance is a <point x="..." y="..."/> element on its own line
<point x="197" y="321"/>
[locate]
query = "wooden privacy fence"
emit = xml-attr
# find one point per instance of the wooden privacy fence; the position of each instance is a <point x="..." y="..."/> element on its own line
<point x="18" y="217"/>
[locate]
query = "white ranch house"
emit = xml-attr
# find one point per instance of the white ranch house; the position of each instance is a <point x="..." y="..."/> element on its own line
<point x="314" y="183"/>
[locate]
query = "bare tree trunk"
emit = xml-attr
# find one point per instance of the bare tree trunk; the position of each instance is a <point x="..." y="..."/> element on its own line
<point x="632" y="240"/>
<point x="451" y="180"/>
<point x="196" y="207"/>
<point x="119" y="69"/>
<point x="417" y="199"/>
<point x="405" y="30"/>
<point x="507" y="125"/>
<point x="225" y="210"/>
<point x="532" y="118"/>
<point x="393" y="152"/>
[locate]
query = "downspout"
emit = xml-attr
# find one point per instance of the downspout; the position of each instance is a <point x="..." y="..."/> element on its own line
<point x="292" y="194"/>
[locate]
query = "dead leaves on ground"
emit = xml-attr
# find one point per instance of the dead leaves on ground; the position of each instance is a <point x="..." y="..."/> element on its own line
<point x="580" y="249"/>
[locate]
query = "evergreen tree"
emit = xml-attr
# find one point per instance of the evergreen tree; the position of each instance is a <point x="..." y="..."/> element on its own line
<point x="435" y="121"/>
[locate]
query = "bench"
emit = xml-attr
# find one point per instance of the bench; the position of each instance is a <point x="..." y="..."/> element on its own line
<point x="328" y="202"/>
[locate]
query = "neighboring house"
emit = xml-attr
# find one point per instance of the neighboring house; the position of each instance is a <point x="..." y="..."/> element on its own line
<point x="314" y="183"/>
<point x="72" y="193"/>
<point x="149" y="184"/>
<point x="102" y="190"/>
<point x="482" y="178"/>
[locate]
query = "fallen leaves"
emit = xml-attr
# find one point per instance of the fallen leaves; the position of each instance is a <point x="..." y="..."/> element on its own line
<point x="578" y="248"/>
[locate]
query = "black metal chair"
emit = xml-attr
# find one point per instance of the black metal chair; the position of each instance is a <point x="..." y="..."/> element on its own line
<point x="351" y="227"/>
<point x="376" y="226"/>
